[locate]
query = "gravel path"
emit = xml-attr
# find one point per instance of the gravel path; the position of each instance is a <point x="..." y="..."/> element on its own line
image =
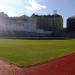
<point x="60" y="66"/>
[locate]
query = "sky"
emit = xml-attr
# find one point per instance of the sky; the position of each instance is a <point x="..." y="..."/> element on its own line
<point x="66" y="8"/>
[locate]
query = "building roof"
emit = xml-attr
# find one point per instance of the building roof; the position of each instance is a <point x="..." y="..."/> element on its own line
<point x="54" y="15"/>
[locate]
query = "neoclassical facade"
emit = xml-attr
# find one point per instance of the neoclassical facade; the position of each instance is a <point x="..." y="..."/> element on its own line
<point x="12" y="24"/>
<point x="49" y="22"/>
<point x="35" y="24"/>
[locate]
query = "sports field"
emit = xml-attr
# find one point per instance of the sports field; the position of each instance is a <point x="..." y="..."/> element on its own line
<point x="30" y="52"/>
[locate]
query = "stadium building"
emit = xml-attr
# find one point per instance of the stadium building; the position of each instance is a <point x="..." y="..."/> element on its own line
<point x="49" y="22"/>
<point x="71" y="24"/>
<point x="34" y="25"/>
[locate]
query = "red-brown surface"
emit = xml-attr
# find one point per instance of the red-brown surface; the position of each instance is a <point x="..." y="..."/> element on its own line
<point x="60" y="66"/>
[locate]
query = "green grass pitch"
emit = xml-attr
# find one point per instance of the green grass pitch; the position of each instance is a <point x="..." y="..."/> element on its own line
<point x="29" y="52"/>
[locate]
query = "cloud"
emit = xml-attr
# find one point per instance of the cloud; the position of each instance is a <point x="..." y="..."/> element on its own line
<point x="20" y="7"/>
<point x="10" y="2"/>
<point x="34" y="6"/>
<point x="9" y="6"/>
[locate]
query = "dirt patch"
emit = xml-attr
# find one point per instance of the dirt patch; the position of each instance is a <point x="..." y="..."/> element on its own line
<point x="60" y="66"/>
<point x="10" y="69"/>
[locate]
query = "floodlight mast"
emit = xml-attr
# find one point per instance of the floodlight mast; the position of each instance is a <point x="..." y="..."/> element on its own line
<point x="55" y="12"/>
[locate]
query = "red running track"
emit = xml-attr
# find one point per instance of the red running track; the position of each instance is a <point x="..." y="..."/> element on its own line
<point x="60" y="66"/>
